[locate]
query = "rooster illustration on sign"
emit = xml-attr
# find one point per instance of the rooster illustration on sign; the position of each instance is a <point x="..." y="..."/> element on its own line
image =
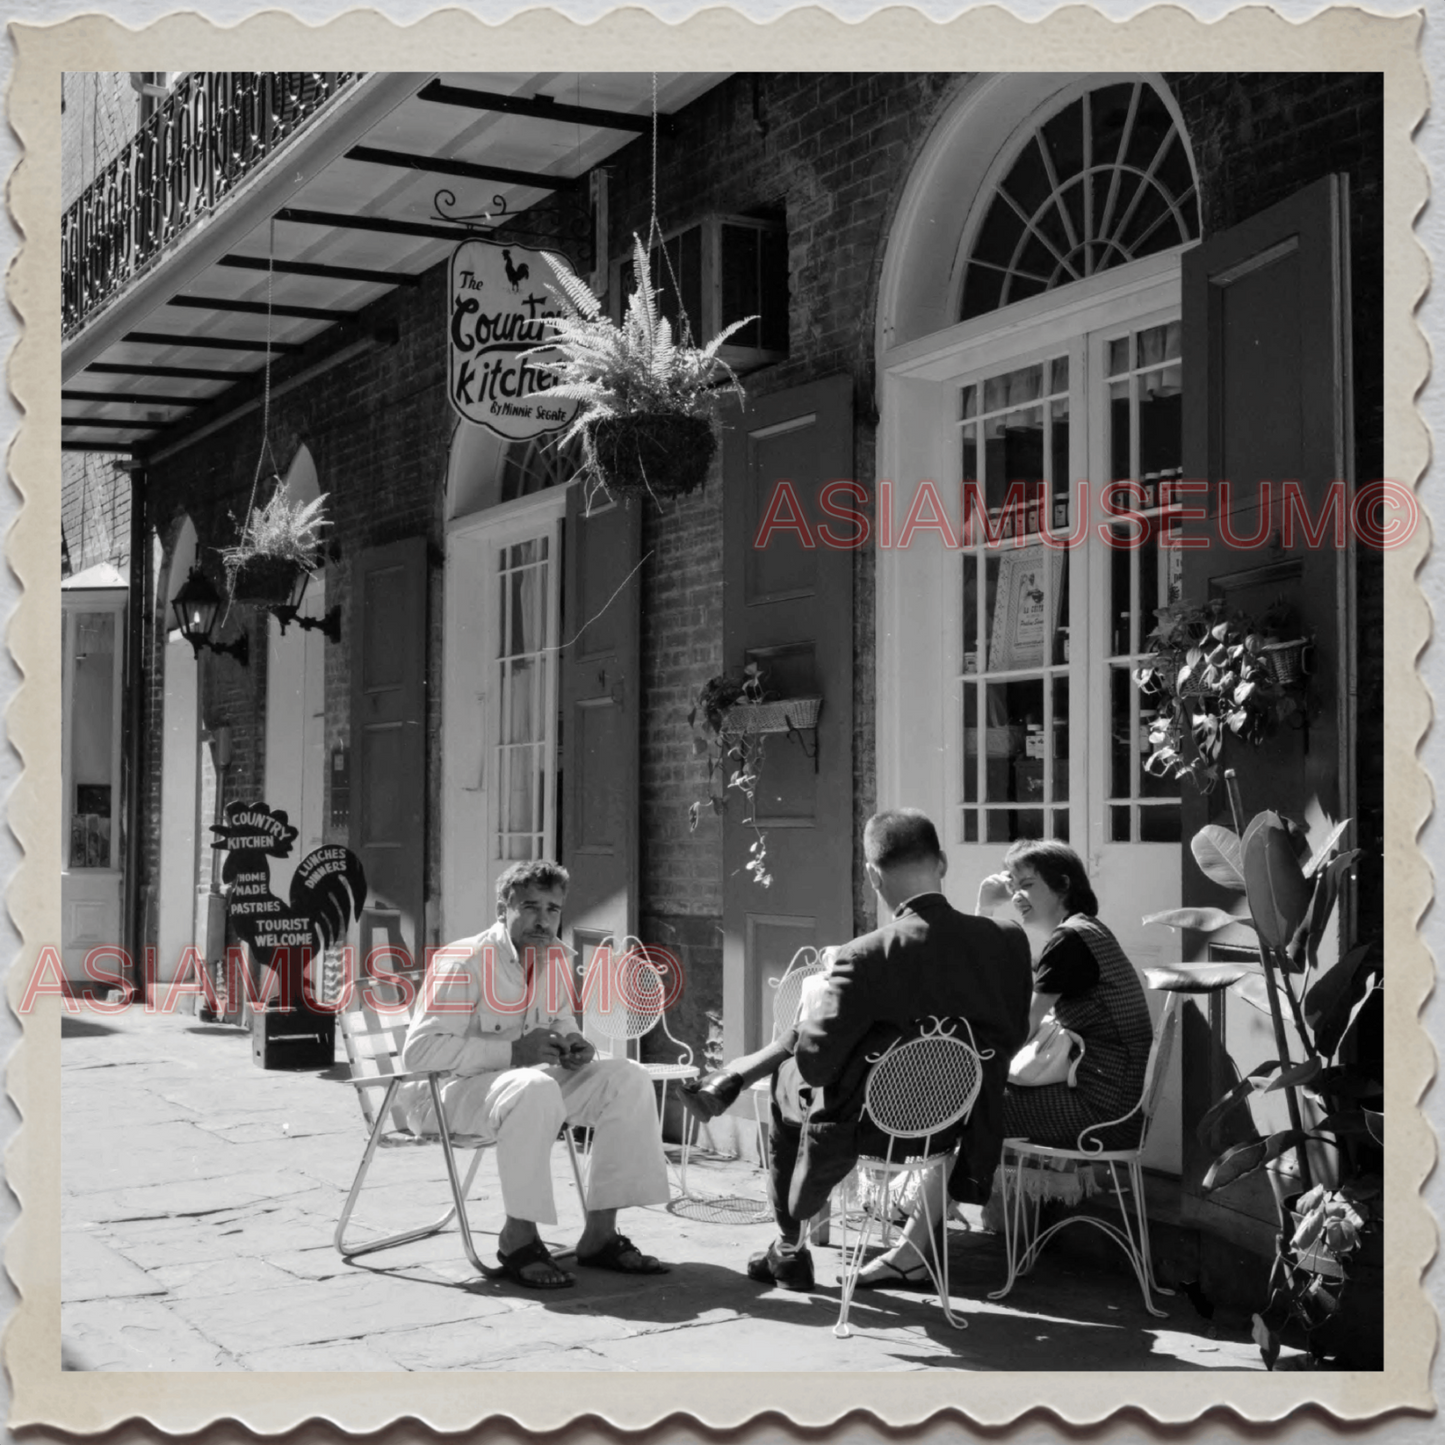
<point x="328" y="888"/>
<point x="515" y="274"/>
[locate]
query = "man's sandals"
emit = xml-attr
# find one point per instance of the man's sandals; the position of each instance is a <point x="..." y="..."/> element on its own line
<point x="534" y="1253"/>
<point x="621" y="1256"/>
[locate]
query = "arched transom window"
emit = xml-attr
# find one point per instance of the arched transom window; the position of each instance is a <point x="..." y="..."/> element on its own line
<point x="1104" y="180"/>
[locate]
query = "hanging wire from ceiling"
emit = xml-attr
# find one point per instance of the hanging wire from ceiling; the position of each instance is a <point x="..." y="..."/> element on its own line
<point x="654" y="228"/>
<point x="266" y="383"/>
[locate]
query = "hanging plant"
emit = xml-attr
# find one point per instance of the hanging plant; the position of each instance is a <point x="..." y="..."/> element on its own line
<point x="1216" y="673"/>
<point x="649" y="399"/>
<point x="278" y="542"/>
<point x="734" y="751"/>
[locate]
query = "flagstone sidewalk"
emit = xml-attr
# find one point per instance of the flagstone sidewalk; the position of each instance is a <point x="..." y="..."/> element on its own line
<point x="200" y="1194"/>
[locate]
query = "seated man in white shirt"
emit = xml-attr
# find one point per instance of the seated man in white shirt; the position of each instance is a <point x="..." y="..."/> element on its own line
<point x="519" y="1070"/>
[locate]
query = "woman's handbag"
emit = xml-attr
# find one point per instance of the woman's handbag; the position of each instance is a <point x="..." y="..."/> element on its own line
<point x="1050" y="1057"/>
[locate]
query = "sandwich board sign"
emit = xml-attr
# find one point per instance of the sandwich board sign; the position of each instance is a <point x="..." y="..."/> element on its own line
<point x="498" y="301"/>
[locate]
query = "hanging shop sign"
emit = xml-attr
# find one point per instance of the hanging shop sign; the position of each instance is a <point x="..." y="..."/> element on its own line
<point x="327" y="890"/>
<point x="498" y="301"/>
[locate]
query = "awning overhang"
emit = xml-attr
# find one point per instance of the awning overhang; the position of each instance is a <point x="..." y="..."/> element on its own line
<point x="369" y="194"/>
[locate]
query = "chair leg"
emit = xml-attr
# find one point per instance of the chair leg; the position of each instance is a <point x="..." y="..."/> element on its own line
<point x="941" y="1284"/>
<point x="351" y="1251"/>
<point x="852" y="1264"/>
<point x="459" y="1190"/>
<point x="577" y="1169"/>
<point x="1020" y="1225"/>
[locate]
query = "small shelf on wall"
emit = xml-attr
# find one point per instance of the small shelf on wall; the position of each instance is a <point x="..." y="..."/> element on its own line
<point x="788" y="715"/>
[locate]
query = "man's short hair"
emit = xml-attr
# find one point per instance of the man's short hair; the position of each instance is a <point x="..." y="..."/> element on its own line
<point x="899" y="836"/>
<point x="534" y="873"/>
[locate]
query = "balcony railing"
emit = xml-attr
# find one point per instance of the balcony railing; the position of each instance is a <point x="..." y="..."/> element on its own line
<point x="210" y="132"/>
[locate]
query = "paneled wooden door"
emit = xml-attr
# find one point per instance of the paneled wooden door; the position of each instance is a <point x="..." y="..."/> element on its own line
<point x="788" y="606"/>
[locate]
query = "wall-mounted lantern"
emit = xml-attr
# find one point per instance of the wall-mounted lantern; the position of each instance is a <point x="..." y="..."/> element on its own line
<point x="288" y="612"/>
<point x="195" y="607"/>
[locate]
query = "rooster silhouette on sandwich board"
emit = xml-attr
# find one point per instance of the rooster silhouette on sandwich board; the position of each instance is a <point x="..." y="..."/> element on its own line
<point x="328" y="890"/>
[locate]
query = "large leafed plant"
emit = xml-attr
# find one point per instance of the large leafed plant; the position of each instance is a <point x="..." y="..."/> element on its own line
<point x="1318" y="994"/>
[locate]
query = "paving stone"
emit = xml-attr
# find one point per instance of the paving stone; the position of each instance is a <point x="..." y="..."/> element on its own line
<point x="320" y="1263"/>
<point x="357" y="1355"/>
<point x="151" y="1244"/>
<point x="91" y="1269"/>
<point x="224" y="1276"/>
<point x="346" y="1307"/>
<point x="189" y="1196"/>
<point x="144" y="1336"/>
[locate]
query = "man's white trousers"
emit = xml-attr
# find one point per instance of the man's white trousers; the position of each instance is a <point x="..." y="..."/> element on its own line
<point x="523" y="1110"/>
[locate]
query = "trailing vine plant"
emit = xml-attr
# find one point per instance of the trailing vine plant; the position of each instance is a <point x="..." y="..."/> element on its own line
<point x="734" y="756"/>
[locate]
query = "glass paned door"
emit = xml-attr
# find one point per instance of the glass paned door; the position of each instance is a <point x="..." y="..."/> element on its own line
<point x="526" y="696"/>
<point x="1015" y="436"/>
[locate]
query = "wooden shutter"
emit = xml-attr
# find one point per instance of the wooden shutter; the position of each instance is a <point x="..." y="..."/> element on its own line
<point x="387" y="628"/>
<point x="600" y="690"/>
<point x="1266" y="400"/>
<point x="789" y="607"/>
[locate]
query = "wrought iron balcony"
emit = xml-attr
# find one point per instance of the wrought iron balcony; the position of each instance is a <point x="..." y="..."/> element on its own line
<point x="213" y="130"/>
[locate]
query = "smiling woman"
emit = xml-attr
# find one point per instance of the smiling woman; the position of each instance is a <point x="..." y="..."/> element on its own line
<point x="1086" y="981"/>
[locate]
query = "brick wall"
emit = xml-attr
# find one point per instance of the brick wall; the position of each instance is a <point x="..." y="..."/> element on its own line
<point x="1258" y="139"/>
<point x="830" y="152"/>
<point x="99" y="113"/>
<point x="94" y="509"/>
<point x="378" y="429"/>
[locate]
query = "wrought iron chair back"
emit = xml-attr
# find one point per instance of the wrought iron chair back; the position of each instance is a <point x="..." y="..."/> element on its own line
<point x="634" y="1004"/>
<point x="922" y="1085"/>
<point x="918" y="1088"/>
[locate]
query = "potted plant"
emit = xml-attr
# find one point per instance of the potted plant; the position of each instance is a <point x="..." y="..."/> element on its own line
<point x="1213" y="674"/>
<point x="1335" y="1127"/>
<point x="649" y="402"/>
<point x="278" y="543"/>
<point x="734" y="753"/>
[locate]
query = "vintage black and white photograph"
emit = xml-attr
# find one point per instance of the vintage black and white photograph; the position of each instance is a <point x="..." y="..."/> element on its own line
<point x="723" y="721"/>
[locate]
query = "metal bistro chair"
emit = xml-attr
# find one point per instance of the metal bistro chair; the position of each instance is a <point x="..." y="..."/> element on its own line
<point x="806" y="963"/>
<point x="1032" y="1172"/>
<point x="918" y="1088"/>
<point x="634" y="1007"/>
<point x="373" y="1050"/>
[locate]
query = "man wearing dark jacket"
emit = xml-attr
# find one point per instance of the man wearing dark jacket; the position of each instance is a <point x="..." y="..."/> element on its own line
<point x="929" y="961"/>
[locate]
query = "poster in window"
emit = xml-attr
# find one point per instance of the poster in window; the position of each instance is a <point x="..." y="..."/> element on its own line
<point x="1026" y="609"/>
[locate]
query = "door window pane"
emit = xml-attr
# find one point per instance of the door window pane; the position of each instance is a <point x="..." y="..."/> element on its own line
<point x="1144" y="445"/>
<point x="524" y="668"/>
<point x="1013" y="678"/>
<point x="92" y="739"/>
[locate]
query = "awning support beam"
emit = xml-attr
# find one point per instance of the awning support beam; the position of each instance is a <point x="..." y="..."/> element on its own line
<point x="543" y="107"/>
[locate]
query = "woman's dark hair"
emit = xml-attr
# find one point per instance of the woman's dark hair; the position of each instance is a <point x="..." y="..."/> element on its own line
<point x="1061" y="868"/>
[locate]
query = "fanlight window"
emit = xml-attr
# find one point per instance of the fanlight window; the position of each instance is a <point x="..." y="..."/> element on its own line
<point x="533" y="466"/>
<point x="1105" y="180"/>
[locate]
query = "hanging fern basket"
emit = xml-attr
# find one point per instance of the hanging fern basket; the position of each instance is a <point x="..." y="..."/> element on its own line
<point x="657" y="454"/>
<point x="265" y="581"/>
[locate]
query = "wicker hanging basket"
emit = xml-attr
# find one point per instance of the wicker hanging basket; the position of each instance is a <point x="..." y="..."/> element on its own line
<point x="262" y="580"/>
<point x="1288" y="661"/>
<point x="772" y="717"/>
<point x="657" y="454"/>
